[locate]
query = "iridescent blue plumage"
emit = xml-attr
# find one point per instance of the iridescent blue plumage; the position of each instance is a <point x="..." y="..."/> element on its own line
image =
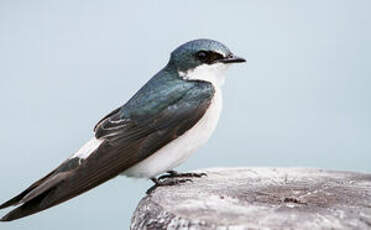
<point x="168" y="86"/>
<point x="156" y="130"/>
<point x="183" y="57"/>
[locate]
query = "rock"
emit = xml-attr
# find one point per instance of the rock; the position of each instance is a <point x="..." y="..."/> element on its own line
<point x="260" y="198"/>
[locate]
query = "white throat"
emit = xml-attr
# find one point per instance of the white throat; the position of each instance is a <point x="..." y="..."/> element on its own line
<point x="212" y="73"/>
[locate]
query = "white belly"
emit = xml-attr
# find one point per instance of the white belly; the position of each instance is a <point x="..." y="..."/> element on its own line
<point x="176" y="152"/>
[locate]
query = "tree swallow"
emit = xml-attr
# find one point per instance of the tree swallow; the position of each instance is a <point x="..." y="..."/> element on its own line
<point x="171" y="116"/>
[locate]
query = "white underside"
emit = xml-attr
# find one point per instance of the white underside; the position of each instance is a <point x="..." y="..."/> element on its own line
<point x="179" y="150"/>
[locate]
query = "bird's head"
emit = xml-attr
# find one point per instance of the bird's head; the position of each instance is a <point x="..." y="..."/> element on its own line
<point x="203" y="59"/>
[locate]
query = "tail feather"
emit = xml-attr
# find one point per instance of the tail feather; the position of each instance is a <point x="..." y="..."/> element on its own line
<point x="60" y="185"/>
<point x="14" y="200"/>
<point x="72" y="178"/>
<point x="18" y="199"/>
<point x="32" y="198"/>
<point x="36" y="200"/>
<point x="26" y="209"/>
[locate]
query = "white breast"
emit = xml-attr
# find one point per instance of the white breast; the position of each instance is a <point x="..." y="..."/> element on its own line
<point x="177" y="151"/>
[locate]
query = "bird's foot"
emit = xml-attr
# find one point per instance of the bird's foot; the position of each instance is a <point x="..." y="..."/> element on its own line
<point x="168" y="182"/>
<point x="174" y="174"/>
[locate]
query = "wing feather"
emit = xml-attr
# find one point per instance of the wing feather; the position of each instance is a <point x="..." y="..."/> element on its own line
<point x="127" y="141"/>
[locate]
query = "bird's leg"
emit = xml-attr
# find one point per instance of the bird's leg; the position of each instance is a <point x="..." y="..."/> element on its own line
<point x="167" y="182"/>
<point x="172" y="178"/>
<point x="172" y="174"/>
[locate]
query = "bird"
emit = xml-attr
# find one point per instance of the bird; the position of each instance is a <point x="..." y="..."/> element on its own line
<point x="156" y="130"/>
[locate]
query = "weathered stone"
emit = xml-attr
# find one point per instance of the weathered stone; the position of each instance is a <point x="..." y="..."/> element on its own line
<point x="260" y="198"/>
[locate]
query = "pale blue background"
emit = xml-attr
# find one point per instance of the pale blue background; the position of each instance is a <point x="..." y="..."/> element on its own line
<point x="303" y="99"/>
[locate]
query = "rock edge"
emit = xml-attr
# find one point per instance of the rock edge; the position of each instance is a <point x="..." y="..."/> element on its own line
<point x="260" y="198"/>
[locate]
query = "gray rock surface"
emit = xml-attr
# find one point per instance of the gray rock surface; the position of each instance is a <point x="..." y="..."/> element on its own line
<point x="260" y="198"/>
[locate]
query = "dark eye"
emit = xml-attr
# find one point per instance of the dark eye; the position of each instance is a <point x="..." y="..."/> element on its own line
<point x="202" y="56"/>
<point x="208" y="57"/>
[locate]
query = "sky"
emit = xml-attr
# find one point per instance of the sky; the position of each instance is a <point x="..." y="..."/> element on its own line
<point x="302" y="100"/>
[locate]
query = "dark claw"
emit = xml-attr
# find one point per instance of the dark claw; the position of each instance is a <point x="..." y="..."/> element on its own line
<point x="173" y="174"/>
<point x="151" y="189"/>
<point x="191" y="174"/>
<point x="167" y="182"/>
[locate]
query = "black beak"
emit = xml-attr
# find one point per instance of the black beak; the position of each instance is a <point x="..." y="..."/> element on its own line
<point x="232" y="59"/>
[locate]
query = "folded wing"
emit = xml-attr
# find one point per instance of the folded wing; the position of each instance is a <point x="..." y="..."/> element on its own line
<point x="127" y="140"/>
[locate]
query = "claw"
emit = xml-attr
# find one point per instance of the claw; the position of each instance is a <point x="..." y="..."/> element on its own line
<point x="173" y="174"/>
<point x="158" y="182"/>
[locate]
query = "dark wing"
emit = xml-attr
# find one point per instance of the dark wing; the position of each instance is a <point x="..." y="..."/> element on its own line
<point x="127" y="141"/>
